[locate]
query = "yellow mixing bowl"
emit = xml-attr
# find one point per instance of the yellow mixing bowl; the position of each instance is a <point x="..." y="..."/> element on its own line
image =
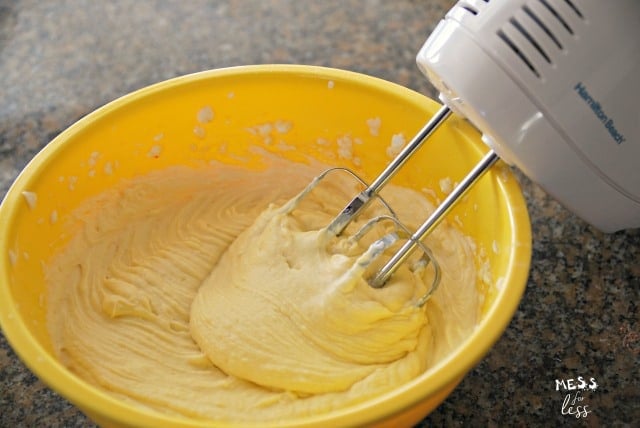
<point x="158" y="126"/>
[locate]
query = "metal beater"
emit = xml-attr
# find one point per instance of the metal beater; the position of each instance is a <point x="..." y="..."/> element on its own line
<point x="414" y="241"/>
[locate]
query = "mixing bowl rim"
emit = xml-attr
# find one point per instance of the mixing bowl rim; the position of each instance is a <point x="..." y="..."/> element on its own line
<point x="448" y="371"/>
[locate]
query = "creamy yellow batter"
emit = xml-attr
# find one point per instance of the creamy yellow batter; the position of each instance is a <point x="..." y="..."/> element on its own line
<point x="198" y="292"/>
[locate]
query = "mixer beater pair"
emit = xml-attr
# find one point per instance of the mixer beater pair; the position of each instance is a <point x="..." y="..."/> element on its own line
<point x="414" y="240"/>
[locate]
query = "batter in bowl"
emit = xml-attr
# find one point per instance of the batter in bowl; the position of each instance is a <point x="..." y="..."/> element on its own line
<point x="198" y="293"/>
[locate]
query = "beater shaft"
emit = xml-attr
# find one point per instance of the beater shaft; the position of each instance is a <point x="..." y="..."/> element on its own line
<point x="438" y="215"/>
<point x="363" y="198"/>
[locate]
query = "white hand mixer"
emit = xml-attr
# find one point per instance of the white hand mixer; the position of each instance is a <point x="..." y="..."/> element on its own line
<point x="553" y="87"/>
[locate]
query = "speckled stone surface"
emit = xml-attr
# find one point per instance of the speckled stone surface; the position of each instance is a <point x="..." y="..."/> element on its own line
<point x="579" y="316"/>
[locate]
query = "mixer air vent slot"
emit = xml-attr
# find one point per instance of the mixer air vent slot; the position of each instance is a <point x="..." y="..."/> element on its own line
<point x="574" y="8"/>
<point x="530" y="38"/>
<point x="547" y="4"/>
<point x="470" y="7"/>
<point x="514" y="47"/>
<point x="535" y="18"/>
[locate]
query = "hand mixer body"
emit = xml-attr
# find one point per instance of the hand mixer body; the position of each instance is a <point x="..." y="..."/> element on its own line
<point x="552" y="85"/>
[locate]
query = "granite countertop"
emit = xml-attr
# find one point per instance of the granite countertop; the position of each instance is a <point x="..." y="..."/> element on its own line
<point x="579" y="315"/>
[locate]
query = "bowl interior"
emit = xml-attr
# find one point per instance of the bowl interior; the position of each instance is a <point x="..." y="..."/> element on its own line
<point x="275" y="108"/>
